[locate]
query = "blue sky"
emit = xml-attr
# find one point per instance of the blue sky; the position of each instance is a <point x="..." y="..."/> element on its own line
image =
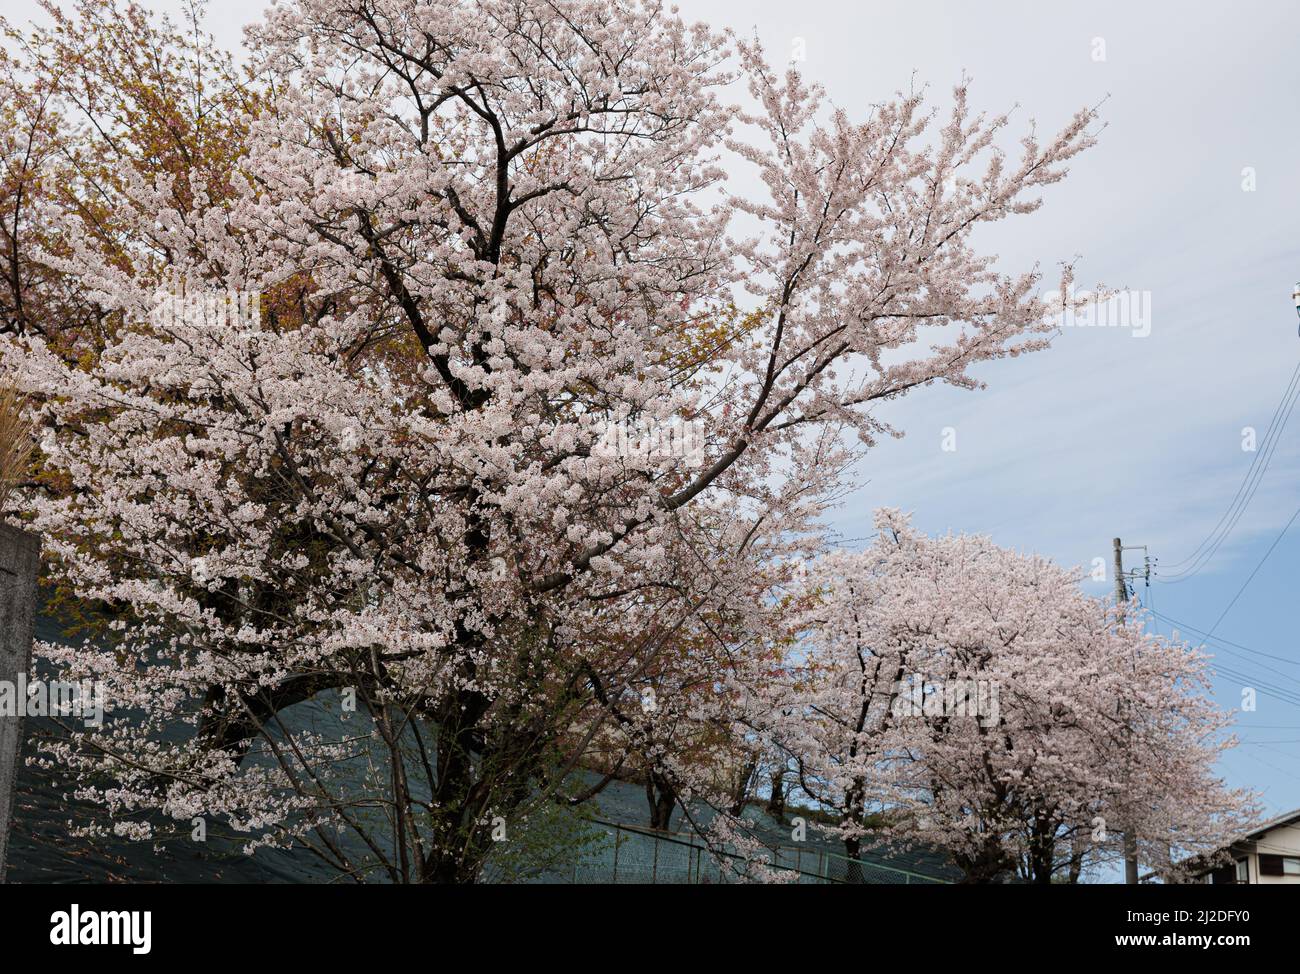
<point x="1105" y="434"/>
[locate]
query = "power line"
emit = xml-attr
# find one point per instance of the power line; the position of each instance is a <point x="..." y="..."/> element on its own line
<point x="1247" y="681"/>
<point x="1220" y="639"/>
<point x="1287" y="394"/>
<point x="1273" y="767"/>
<point x="1282" y="693"/>
<point x="1260" y="686"/>
<point x="1246" y="490"/>
<point x="1250" y="578"/>
<point x="1246" y="503"/>
<point x="1271" y="689"/>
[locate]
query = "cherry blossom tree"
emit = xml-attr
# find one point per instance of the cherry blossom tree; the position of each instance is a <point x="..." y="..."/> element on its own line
<point x="988" y="707"/>
<point x="830" y="711"/>
<point x="101" y="97"/>
<point x="366" y="453"/>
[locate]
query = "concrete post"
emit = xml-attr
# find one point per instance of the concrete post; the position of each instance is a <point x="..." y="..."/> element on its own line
<point x="19" y="558"/>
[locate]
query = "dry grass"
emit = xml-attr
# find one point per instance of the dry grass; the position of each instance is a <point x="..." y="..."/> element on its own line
<point x="15" y="444"/>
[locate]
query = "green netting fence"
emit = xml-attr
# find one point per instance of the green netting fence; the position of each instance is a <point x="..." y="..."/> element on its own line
<point x="642" y="855"/>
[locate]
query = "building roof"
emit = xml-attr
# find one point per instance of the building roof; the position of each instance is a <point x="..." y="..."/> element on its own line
<point x="1281" y="821"/>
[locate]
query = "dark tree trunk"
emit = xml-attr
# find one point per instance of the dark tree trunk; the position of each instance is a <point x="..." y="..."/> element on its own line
<point x="741" y="794"/>
<point x="776" y="800"/>
<point x="460" y="841"/>
<point x="1078" y="847"/>
<point x="1042" y="852"/>
<point x="662" y="798"/>
<point x="853" y="868"/>
<point x="988" y="864"/>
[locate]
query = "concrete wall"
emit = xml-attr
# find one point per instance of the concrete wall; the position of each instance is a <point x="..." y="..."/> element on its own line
<point x="19" y="557"/>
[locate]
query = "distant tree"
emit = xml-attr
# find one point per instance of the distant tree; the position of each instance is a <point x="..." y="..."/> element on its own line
<point x="991" y="709"/>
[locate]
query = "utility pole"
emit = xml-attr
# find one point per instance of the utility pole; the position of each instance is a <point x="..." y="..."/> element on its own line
<point x="1121" y="596"/>
<point x="1121" y="590"/>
